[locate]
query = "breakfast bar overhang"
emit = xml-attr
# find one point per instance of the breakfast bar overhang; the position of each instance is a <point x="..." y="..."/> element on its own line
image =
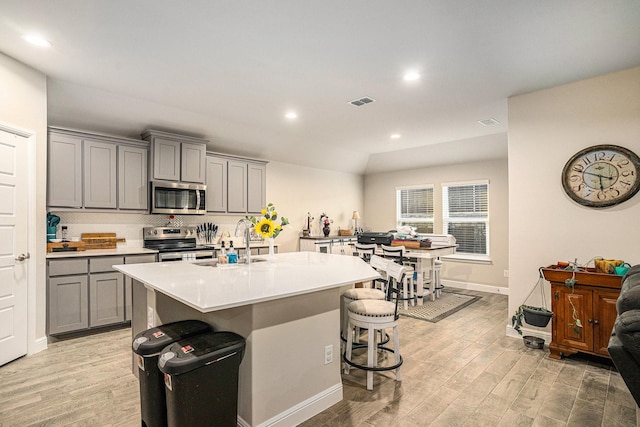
<point x="287" y="309"/>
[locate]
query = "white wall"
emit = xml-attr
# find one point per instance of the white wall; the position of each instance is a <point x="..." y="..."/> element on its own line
<point x="296" y="190"/>
<point x="545" y="129"/>
<point x="380" y="208"/>
<point x="23" y="104"/>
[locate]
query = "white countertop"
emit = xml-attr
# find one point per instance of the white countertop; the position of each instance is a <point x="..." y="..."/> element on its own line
<point x="123" y="250"/>
<point x="207" y="289"/>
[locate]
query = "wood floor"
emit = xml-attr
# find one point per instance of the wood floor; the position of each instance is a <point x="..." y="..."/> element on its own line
<point x="462" y="371"/>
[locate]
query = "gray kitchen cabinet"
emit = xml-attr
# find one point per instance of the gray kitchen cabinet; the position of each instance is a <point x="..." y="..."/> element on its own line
<point x="86" y="292"/>
<point x="176" y="157"/>
<point x="256" y="187"/>
<point x="216" y="181"/>
<point x="128" y="293"/>
<point x="106" y="299"/>
<point x="100" y="180"/>
<point x="192" y="165"/>
<point x="133" y="187"/>
<point x="95" y="171"/>
<point x="64" y="173"/>
<point x="67" y="304"/>
<point x="237" y="186"/>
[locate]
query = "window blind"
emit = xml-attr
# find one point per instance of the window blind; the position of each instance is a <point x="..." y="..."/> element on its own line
<point x="415" y="208"/>
<point x="466" y="216"/>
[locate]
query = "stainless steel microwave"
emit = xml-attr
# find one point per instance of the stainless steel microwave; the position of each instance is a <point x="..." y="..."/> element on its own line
<point x="179" y="198"/>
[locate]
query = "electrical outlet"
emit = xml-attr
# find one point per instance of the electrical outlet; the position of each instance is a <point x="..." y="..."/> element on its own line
<point x="506" y="273"/>
<point x="328" y="354"/>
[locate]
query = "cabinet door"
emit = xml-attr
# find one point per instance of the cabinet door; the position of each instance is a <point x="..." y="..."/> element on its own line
<point x="99" y="174"/>
<point x="106" y="299"/>
<point x="128" y="292"/>
<point x="67" y="304"/>
<point x="166" y="159"/>
<point x="64" y="171"/>
<point x="256" y="182"/>
<point x="216" y="184"/>
<point x="604" y="308"/>
<point x="193" y="162"/>
<point x="567" y="305"/>
<point x="237" y="186"/>
<point x="132" y="178"/>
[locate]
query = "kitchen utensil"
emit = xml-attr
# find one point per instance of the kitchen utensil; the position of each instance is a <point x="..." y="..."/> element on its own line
<point x="56" y="240"/>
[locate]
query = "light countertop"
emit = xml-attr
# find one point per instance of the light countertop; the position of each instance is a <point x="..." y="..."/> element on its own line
<point x="123" y="250"/>
<point x="208" y="289"/>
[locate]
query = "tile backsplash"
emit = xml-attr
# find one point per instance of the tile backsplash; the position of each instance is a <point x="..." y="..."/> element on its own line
<point x="129" y="225"/>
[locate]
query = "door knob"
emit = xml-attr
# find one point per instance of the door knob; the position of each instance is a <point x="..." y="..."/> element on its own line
<point x="22" y="257"/>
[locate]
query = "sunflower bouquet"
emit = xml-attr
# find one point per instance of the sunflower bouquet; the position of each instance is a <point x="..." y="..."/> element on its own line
<point x="266" y="225"/>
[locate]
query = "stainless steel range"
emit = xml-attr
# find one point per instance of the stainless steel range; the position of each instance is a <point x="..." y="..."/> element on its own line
<point x="175" y="243"/>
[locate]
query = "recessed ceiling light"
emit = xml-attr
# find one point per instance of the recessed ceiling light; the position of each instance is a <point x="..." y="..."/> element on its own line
<point x="291" y="115"/>
<point x="395" y="136"/>
<point x="37" y="40"/>
<point x="410" y="76"/>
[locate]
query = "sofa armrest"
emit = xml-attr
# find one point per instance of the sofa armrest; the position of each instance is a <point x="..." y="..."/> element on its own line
<point x="627" y="365"/>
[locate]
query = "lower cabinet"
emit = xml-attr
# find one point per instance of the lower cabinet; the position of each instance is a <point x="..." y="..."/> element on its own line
<point x="85" y="293"/>
<point x="106" y="299"/>
<point x="68" y="304"/>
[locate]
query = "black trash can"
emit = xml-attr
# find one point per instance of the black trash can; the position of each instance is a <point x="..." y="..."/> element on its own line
<point x="201" y="379"/>
<point x="148" y="346"/>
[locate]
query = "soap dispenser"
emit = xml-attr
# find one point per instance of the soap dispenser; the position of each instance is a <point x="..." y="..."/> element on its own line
<point x="231" y="254"/>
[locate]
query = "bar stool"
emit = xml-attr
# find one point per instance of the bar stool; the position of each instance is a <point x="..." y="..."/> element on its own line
<point x="376" y="315"/>
<point x="397" y="254"/>
<point x="355" y="294"/>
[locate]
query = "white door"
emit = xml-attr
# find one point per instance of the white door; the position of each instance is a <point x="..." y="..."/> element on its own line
<point x="13" y="246"/>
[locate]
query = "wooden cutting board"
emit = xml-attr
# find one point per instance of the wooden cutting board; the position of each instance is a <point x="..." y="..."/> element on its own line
<point x="65" y="246"/>
<point x="101" y="240"/>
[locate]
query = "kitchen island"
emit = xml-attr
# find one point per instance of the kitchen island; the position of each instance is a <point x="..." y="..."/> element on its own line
<point x="288" y="310"/>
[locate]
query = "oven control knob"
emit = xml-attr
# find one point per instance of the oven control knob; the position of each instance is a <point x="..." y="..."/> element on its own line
<point x="155" y="231"/>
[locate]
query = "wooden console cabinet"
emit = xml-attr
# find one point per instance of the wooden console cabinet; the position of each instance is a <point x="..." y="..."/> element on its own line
<point x="592" y="300"/>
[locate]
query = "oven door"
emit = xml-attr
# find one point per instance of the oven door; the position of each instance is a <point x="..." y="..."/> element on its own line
<point x="185" y="255"/>
<point x="178" y="198"/>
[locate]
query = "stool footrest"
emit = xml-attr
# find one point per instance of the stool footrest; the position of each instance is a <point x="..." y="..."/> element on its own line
<point x="373" y="368"/>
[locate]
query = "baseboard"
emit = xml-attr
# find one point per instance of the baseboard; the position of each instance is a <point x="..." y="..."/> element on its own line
<point x="303" y="410"/>
<point x="38" y="345"/>
<point x="476" y="287"/>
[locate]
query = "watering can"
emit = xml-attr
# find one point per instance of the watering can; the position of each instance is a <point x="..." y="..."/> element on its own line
<point x="622" y="270"/>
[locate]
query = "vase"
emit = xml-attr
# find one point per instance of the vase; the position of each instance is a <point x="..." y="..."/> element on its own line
<point x="326" y="230"/>
<point x="272" y="251"/>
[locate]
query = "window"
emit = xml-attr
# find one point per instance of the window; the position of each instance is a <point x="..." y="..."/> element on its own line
<point x="465" y="210"/>
<point x="415" y="207"/>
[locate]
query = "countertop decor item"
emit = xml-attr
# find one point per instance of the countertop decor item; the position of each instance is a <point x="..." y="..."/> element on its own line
<point x="267" y="227"/>
<point x="602" y="175"/>
<point x="325" y="222"/>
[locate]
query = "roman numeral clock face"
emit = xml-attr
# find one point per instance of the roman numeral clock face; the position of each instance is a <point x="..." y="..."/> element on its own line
<point x="602" y="175"/>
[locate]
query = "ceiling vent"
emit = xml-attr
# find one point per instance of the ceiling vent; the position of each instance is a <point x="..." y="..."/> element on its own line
<point x="489" y="122"/>
<point x="362" y="101"/>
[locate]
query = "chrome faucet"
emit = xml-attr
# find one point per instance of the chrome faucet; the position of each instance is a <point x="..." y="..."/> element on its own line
<point x="247" y="237"/>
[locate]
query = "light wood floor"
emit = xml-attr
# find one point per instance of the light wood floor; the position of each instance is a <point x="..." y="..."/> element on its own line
<point x="462" y="371"/>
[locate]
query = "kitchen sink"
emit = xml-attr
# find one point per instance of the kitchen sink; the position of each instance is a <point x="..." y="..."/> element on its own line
<point x="214" y="262"/>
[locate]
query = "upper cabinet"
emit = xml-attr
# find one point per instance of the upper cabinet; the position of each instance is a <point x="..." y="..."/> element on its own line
<point x="235" y="185"/>
<point x="64" y="173"/>
<point x="176" y="157"/>
<point x="95" y="171"/>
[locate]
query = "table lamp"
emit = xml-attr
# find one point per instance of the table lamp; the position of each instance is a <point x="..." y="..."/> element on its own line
<point x="355" y="217"/>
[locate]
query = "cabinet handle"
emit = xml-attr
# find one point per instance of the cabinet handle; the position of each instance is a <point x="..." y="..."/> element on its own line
<point x="556" y="295"/>
<point x="596" y="322"/>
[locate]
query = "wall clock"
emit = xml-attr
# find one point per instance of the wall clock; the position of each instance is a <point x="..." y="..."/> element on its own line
<point x="602" y="175"/>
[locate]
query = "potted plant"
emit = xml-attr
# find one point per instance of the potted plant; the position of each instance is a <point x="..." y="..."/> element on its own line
<point x="534" y="316"/>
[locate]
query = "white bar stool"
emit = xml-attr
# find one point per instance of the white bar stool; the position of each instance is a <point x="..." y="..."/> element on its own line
<point x="376" y="315"/>
<point x="397" y="254"/>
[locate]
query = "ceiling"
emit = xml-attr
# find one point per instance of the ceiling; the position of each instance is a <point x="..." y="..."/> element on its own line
<point x="229" y="70"/>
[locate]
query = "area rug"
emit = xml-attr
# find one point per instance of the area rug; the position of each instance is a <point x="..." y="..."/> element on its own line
<point x="434" y="311"/>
